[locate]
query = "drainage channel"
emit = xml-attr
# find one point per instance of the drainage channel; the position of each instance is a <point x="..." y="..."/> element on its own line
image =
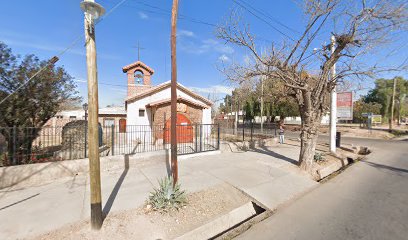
<point x="231" y="224"/>
<point x="243" y="226"/>
<point x="332" y="175"/>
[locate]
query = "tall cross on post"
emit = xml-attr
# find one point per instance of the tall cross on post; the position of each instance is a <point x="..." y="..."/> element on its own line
<point x="138" y="50"/>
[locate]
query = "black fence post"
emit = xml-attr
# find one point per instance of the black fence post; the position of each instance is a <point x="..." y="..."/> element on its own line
<point x="86" y="138"/>
<point x="252" y="130"/>
<point x="243" y="132"/>
<point x="164" y="134"/>
<point x="196" y="135"/>
<point x="14" y="145"/>
<point x="218" y="136"/>
<point x="274" y="127"/>
<point x="70" y="146"/>
<point x="113" y="139"/>
<point x="233" y="130"/>
<point x="144" y="138"/>
<point x="201" y="137"/>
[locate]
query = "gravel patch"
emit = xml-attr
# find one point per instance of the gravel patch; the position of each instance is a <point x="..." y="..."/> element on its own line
<point x="144" y="223"/>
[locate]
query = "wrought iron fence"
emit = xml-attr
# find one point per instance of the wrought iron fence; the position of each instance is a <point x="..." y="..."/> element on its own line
<point x="197" y="138"/>
<point x="20" y="145"/>
<point x="249" y="131"/>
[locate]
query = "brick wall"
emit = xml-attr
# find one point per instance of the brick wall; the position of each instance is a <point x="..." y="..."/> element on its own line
<point x="194" y="113"/>
<point x="134" y="88"/>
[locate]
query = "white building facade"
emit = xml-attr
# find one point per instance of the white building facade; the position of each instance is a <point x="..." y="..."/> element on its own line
<point x="149" y="106"/>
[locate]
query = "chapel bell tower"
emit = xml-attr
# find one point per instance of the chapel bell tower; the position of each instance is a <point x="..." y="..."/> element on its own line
<point x="138" y="75"/>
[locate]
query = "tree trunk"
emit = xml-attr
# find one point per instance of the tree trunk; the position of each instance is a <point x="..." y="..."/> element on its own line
<point x="308" y="139"/>
<point x="309" y="133"/>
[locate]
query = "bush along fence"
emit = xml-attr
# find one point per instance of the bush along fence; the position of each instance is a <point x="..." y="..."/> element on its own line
<point x="249" y="131"/>
<point x="22" y="145"/>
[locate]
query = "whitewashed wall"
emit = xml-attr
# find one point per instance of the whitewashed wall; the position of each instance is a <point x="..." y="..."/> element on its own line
<point x="133" y="108"/>
<point x="206" y="116"/>
<point x="297" y="120"/>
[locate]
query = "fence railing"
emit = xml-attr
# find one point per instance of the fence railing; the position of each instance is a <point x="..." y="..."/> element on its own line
<point x="20" y="145"/>
<point x="249" y="131"/>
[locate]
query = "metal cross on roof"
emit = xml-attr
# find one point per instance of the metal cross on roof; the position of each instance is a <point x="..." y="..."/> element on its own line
<point x="138" y="50"/>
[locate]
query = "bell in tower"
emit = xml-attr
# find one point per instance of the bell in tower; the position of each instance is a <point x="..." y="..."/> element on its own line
<point x="138" y="75"/>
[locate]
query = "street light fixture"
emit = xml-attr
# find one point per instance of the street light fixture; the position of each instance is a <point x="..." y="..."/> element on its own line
<point x="85" y="107"/>
<point x="92" y="8"/>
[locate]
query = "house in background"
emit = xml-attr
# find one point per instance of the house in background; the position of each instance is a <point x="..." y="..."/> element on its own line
<point x="113" y="116"/>
<point x="107" y="117"/>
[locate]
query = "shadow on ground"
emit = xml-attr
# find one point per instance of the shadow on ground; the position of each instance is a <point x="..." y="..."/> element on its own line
<point x="265" y="150"/>
<point x="381" y="166"/>
<point x="106" y="209"/>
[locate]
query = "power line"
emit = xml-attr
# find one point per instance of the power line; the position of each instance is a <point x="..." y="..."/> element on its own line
<point x="263" y="20"/>
<point x="57" y="57"/>
<point x="165" y="12"/>
<point x="273" y="19"/>
<point x="181" y="16"/>
<point x="269" y="16"/>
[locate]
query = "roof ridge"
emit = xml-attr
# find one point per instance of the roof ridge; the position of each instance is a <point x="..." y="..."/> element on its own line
<point x="165" y="85"/>
<point x="134" y="64"/>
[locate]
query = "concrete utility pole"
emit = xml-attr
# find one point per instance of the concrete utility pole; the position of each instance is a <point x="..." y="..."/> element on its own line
<point x="333" y="105"/>
<point x="93" y="11"/>
<point x="392" y="104"/>
<point x="173" y="130"/>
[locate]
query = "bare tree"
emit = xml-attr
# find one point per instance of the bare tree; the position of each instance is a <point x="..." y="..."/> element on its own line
<point x="361" y="27"/>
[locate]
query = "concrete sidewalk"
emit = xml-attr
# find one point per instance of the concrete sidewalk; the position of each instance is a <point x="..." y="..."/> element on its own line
<point x="266" y="174"/>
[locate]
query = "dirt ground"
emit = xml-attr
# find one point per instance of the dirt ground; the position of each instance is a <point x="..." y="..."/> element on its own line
<point x="141" y="223"/>
<point x="351" y="131"/>
<point x="363" y="133"/>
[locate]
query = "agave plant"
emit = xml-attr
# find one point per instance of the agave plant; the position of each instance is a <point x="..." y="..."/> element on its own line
<point x="167" y="196"/>
<point x="319" y="157"/>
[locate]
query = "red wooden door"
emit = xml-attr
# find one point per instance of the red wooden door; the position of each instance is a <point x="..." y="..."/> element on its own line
<point x="122" y="125"/>
<point x="184" y="129"/>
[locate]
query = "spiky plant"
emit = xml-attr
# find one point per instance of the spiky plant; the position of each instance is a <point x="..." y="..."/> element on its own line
<point x="319" y="157"/>
<point x="166" y="197"/>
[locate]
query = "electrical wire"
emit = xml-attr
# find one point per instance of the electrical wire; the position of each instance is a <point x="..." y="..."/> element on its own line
<point x="269" y="16"/>
<point x="165" y="12"/>
<point x="263" y="20"/>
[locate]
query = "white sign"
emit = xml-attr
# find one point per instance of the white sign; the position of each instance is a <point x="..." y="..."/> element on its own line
<point x="345" y="106"/>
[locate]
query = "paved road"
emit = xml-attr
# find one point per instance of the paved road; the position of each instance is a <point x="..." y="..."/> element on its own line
<point x="369" y="200"/>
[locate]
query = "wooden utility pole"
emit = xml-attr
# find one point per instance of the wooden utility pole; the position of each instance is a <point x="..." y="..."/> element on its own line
<point x="392" y="104"/>
<point x="94" y="165"/>
<point x="173" y="131"/>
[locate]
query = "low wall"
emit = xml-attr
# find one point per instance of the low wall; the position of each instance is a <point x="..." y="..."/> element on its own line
<point x="40" y="173"/>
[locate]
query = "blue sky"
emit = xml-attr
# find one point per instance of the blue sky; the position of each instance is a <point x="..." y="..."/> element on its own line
<point x="45" y="27"/>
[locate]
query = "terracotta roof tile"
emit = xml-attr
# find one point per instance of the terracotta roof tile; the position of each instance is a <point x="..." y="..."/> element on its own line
<point x="135" y="64"/>
<point x="163" y="86"/>
<point x="179" y="99"/>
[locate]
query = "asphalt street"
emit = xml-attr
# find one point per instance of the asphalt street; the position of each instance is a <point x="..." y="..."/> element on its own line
<point x="369" y="200"/>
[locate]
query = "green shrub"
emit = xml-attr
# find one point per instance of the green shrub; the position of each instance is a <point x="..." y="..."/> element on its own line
<point x="167" y="197"/>
<point x="319" y="157"/>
